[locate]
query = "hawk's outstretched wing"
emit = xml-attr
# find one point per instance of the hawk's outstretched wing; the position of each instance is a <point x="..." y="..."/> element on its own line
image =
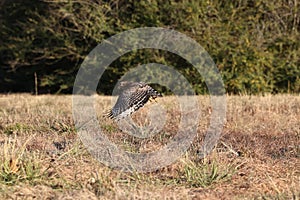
<point x="132" y="97"/>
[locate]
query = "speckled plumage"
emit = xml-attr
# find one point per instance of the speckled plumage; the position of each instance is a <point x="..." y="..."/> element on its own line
<point x="133" y="96"/>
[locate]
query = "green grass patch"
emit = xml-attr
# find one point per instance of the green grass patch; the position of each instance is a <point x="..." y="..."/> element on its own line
<point x="204" y="173"/>
<point x="17" y="165"/>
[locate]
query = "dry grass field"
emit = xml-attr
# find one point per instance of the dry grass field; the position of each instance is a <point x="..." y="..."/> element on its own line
<point x="257" y="156"/>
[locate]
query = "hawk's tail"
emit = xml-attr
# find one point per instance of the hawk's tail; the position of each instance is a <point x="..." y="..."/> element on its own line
<point x="109" y="114"/>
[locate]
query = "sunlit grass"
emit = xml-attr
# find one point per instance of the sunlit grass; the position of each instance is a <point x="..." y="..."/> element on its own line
<point x="17" y="164"/>
<point x="204" y="174"/>
<point x="257" y="156"/>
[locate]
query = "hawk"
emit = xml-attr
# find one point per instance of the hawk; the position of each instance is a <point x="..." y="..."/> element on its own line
<point x="133" y="96"/>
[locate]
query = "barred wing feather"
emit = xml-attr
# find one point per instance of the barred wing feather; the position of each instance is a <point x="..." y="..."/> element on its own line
<point x="133" y="96"/>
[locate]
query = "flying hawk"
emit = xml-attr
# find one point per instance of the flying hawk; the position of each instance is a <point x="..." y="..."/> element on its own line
<point x="133" y="96"/>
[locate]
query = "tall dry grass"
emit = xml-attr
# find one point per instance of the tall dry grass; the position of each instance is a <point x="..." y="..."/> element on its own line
<point x="258" y="154"/>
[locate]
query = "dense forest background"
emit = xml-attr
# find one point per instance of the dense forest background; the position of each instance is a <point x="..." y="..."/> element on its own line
<point x="254" y="43"/>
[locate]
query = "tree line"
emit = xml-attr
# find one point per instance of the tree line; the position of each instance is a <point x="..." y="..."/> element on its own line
<point x="255" y="43"/>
